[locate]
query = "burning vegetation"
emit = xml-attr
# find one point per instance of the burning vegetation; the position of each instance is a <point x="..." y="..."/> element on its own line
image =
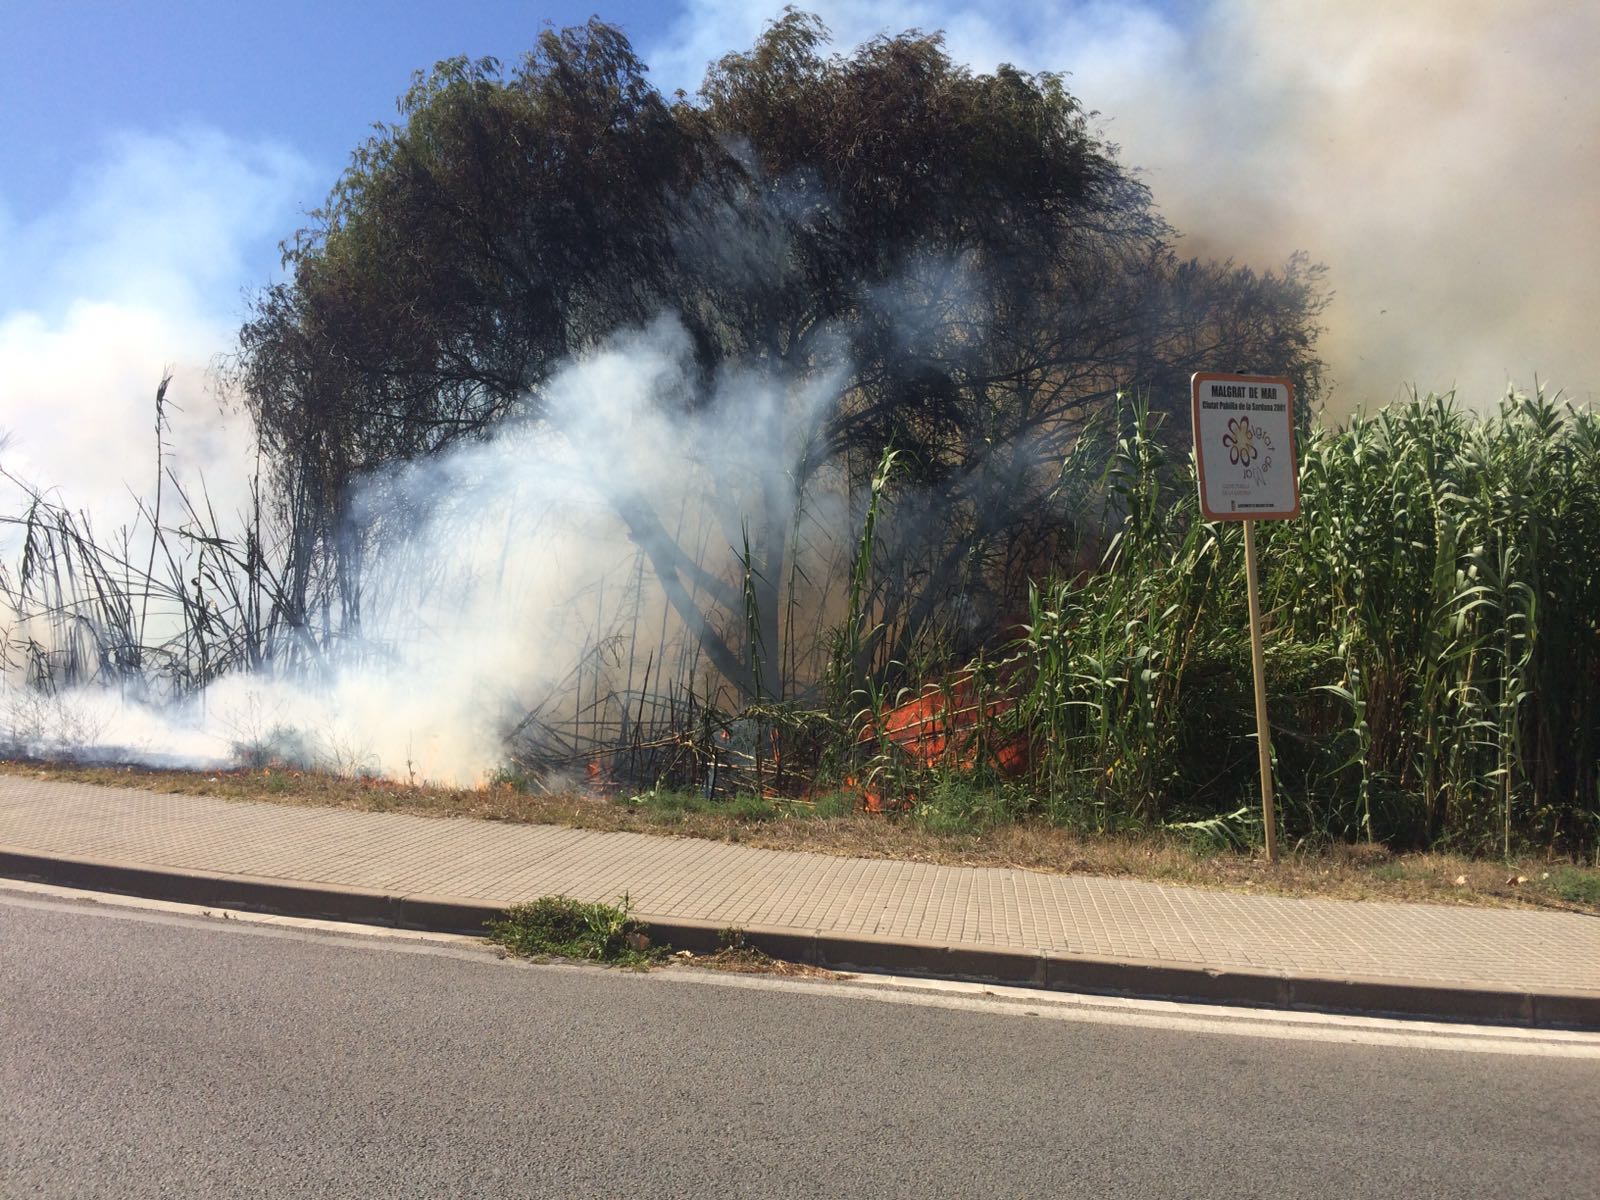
<point x="811" y="433"/>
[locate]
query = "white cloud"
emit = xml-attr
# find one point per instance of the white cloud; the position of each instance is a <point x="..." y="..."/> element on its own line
<point x="141" y="268"/>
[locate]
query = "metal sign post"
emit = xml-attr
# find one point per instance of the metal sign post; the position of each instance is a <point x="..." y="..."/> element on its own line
<point x="1245" y="459"/>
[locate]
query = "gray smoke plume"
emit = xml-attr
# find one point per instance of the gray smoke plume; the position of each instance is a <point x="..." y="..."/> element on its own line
<point x="1442" y="157"/>
<point x="1439" y="157"/>
<point x="497" y="566"/>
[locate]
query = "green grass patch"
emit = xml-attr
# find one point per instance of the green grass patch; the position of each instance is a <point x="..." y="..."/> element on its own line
<point x="1575" y="885"/>
<point x="956" y="805"/>
<point x="834" y="805"/>
<point x="681" y="802"/>
<point x="560" y="927"/>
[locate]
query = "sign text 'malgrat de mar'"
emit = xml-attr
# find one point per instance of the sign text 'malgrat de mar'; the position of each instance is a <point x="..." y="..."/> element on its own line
<point x="1244" y="447"/>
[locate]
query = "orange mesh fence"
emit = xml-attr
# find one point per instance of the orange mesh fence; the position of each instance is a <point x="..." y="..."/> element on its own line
<point x="944" y="727"/>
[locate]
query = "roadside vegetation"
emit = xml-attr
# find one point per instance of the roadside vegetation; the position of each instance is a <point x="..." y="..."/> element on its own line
<point x="736" y="954"/>
<point x="932" y="584"/>
<point x="555" y="927"/>
<point x="1433" y="657"/>
<point x="560" y="927"/>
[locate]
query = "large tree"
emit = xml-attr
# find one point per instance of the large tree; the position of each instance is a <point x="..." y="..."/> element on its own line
<point x="966" y="242"/>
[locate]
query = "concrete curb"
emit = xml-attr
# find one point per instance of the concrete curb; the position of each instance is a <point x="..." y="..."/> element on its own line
<point x="1025" y="968"/>
<point x="250" y="893"/>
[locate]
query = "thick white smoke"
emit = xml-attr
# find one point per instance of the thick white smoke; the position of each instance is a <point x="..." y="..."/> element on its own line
<point x="137" y="273"/>
<point x="1442" y="157"/>
<point x="502" y="562"/>
<point x="1439" y="157"/>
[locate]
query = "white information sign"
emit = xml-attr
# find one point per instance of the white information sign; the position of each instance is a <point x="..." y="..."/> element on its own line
<point x="1244" y="447"/>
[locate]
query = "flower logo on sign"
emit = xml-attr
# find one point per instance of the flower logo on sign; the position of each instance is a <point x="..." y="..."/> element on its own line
<point x="1240" y="441"/>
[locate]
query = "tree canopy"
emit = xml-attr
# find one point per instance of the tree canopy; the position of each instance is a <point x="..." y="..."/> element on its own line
<point x="968" y="243"/>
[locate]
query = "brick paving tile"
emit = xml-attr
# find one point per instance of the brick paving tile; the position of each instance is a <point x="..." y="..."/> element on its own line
<point x="739" y="885"/>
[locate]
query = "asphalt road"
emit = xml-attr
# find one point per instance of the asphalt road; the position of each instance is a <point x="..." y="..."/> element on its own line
<point x="150" y="1055"/>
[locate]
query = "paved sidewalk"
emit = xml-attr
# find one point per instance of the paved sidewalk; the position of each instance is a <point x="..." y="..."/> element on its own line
<point x="1012" y="914"/>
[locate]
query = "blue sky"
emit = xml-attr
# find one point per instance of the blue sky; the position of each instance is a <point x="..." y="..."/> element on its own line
<point x="154" y="154"/>
<point x="302" y="78"/>
<point x="308" y="74"/>
<point x="306" y="79"/>
<point x="1441" y="156"/>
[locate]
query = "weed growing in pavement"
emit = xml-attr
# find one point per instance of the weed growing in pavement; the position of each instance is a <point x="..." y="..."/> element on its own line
<point x="560" y="927"/>
<point x="735" y="953"/>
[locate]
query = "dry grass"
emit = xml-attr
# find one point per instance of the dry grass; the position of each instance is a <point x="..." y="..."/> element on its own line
<point x="736" y="955"/>
<point x="747" y="960"/>
<point x="1343" y="872"/>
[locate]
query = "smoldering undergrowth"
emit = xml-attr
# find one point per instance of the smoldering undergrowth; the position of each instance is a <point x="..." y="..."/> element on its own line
<point x="506" y="590"/>
<point x="744" y="451"/>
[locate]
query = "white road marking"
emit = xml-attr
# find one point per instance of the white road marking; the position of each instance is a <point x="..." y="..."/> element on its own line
<point x="983" y="998"/>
